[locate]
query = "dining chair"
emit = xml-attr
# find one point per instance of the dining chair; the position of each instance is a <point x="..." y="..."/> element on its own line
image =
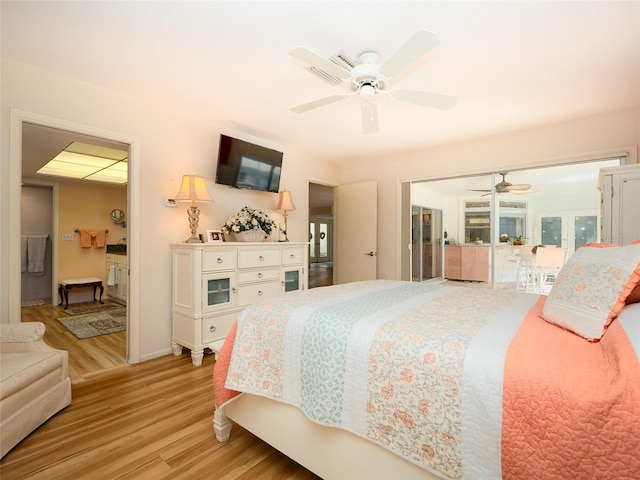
<point x="548" y="263"/>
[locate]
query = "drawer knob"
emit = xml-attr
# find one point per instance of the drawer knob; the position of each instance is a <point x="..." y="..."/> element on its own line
<point x="292" y="256"/>
<point x="261" y="258"/>
<point x="259" y="293"/>
<point x="259" y="274"/>
<point x="219" y="260"/>
<point x="212" y="328"/>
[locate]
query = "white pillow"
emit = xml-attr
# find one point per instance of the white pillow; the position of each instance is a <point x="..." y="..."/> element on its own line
<point x="591" y="289"/>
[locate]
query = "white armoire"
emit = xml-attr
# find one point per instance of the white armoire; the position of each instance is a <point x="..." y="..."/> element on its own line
<point x="620" y="204"/>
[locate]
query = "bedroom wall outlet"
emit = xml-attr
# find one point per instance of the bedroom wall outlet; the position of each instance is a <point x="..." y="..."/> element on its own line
<point x="67" y="236"/>
<point x="170" y="202"/>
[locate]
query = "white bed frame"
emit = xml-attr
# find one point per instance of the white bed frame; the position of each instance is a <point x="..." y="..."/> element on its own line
<point x="330" y="453"/>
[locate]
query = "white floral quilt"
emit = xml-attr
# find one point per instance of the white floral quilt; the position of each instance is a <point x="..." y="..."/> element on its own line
<point x="386" y="361"/>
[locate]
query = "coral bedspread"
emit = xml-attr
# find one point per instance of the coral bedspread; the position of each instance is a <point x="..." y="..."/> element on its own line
<point x="465" y="382"/>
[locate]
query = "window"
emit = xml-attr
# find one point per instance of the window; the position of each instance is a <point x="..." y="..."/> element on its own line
<point x="512" y="220"/>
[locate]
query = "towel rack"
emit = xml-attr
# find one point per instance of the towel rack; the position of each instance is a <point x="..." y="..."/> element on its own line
<point x="77" y="230"/>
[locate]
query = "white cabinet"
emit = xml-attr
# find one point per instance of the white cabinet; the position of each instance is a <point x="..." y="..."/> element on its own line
<point x="213" y="282"/>
<point x="620" y="198"/>
<point x="117" y="277"/>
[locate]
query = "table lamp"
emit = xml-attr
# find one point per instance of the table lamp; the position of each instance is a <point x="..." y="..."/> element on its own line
<point x="285" y="203"/>
<point x="193" y="189"/>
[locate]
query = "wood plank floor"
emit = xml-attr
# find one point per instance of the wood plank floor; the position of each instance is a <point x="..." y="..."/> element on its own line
<point x="86" y="356"/>
<point x="151" y="420"/>
<point x="320" y="274"/>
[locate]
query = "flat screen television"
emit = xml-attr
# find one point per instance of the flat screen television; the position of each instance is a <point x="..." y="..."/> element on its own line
<point x="245" y="165"/>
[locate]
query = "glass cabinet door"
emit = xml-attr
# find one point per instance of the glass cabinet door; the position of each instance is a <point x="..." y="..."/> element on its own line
<point x="219" y="291"/>
<point x="292" y="280"/>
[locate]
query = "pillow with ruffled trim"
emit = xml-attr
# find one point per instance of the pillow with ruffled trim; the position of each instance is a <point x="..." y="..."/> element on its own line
<point x="592" y="288"/>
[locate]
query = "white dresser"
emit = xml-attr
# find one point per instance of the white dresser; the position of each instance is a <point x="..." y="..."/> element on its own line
<point x="214" y="282"/>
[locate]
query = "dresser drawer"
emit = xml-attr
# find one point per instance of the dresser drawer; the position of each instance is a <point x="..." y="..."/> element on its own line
<point x="218" y="260"/>
<point x="252" y="293"/>
<point x="292" y="255"/>
<point x="258" y="258"/>
<point x="257" y="275"/>
<point x="216" y="328"/>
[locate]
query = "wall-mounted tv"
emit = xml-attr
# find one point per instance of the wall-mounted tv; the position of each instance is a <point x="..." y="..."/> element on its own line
<point x="245" y="165"/>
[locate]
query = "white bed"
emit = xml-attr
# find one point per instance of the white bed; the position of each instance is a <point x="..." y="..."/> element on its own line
<point x="484" y="432"/>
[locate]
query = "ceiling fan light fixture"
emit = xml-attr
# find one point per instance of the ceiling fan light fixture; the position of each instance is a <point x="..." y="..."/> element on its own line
<point x="367" y="90"/>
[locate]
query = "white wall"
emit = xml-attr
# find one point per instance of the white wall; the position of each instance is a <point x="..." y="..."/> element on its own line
<point x="588" y="138"/>
<point x="170" y="144"/>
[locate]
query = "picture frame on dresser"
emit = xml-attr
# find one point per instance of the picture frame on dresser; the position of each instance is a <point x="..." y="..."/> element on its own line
<point x="214" y="236"/>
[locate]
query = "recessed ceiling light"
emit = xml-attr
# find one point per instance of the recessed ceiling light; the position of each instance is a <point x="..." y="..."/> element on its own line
<point x="89" y="162"/>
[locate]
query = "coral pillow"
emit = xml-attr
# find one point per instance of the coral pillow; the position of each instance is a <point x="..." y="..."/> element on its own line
<point x="592" y="288"/>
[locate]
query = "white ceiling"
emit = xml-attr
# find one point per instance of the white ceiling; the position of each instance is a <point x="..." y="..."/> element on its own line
<point x="512" y="64"/>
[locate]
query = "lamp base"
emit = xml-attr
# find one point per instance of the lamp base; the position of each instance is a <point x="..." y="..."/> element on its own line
<point x="194" y="216"/>
<point x="193" y="240"/>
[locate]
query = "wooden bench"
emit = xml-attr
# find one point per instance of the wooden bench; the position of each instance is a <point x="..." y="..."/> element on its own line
<point x="65" y="285"/>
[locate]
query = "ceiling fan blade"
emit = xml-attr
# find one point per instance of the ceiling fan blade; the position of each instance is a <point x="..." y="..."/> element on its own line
<point x="435" y="100"/>
<point x="305" y="107"/>
<point x="520" y="186"/>
<point x="525" y="192"/>
<point x="416" y="47"/>
<point x="315" y="60"/>
<point x="369" y="118"/>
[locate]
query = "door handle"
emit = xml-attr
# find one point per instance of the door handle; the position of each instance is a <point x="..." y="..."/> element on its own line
<point x="371" y="254"/>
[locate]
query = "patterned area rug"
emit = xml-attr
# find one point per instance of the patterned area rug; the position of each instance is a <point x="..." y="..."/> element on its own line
<point x="32" y="303"/>
<point x="83" y="309"/>
<point x="94" y="324"/>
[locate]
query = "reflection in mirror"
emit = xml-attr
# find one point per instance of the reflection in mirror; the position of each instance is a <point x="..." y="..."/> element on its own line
<point x="117" y="215"/>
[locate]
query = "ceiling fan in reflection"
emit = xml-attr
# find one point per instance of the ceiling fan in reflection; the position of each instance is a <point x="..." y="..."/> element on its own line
<point x="507" y="187"/>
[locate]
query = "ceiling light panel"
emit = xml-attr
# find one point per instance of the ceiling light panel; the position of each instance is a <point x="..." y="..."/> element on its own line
<point x="90" y="162"/>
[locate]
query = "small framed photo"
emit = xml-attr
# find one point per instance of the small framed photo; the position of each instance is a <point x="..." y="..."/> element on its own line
<point x="214" y="236"/>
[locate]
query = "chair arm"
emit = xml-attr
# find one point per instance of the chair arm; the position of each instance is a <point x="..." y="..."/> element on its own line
<point x="21" y="332"/>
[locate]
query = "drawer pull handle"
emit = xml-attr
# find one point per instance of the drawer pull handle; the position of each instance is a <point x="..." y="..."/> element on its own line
<point x="292" y="256"/>
<point x="259" y="274"/>
<point x="261" y="258"/>
<point x="212" y="328"/>
<point x="259" y="293"/>
<point x="219" y="260"/>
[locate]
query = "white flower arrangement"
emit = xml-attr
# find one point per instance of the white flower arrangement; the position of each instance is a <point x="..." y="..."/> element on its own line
<point x="248" y="219"/>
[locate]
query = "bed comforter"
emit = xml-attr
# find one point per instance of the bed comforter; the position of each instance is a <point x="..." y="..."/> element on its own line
<point x="465" y="382"/>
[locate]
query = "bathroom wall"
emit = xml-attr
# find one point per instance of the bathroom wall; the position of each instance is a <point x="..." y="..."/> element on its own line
<point x="87" y="206"/>
<point x="37" y="219"/>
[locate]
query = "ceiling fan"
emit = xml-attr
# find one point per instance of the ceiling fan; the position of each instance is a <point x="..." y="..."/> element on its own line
<point x="506" y="187"/>
<point x="366" y="78"/>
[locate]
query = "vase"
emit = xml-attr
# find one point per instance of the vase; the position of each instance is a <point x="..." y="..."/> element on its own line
<point x="250" y="236"/>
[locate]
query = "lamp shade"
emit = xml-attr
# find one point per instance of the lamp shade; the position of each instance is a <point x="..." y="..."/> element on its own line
<point x="193" y="189"/>
<point x="285" y="201"/>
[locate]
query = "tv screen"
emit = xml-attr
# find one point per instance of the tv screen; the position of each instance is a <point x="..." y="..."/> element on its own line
<point x="245" y="165"/>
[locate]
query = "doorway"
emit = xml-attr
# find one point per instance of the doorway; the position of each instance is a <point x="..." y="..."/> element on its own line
<point x="36" y="227"/>
<point x="321" y="264"/>
<point x="19" y="161"/>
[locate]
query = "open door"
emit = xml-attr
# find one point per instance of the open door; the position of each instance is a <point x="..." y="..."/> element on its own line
<point x="355" y="221"/>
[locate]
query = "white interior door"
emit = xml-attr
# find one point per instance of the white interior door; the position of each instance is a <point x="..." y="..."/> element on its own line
<point x="355" y="222"/>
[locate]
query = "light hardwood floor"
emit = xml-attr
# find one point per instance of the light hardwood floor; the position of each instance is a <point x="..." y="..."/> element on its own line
<point x="150" y="421"/>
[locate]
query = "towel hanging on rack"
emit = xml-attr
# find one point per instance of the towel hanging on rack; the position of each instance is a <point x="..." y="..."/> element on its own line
<point x="96" y="238"/>
<point x="36" y="250"/>
<point x="112" y="278"/>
